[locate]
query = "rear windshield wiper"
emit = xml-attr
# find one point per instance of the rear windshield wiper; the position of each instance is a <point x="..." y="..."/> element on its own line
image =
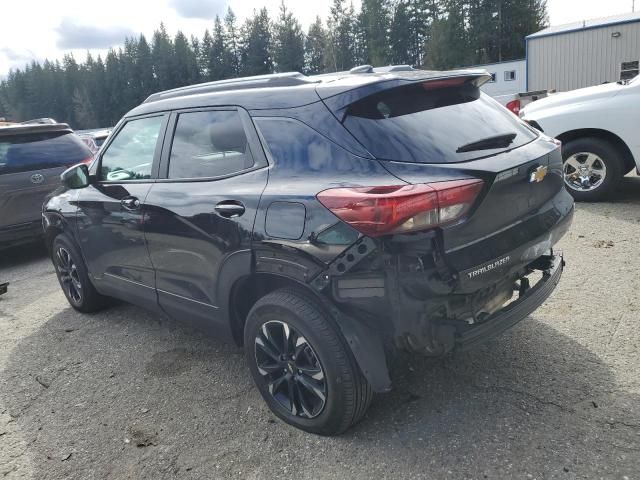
<point x="497" y="141"/>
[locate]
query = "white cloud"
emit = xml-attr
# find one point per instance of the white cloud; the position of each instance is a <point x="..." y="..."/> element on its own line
<point x="203" y="9"/>
<point x="72" y="35"/>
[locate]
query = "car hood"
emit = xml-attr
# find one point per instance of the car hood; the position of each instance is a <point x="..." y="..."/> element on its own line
<point x="573" y="97"/>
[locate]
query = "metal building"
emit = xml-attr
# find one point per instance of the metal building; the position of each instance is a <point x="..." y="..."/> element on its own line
<point x="583" y="54"/>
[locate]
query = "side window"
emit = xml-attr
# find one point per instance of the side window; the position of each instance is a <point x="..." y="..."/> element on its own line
<point x="509" y="75"/>
<point x="130" y="155"/>
<point x="209" y="144"/>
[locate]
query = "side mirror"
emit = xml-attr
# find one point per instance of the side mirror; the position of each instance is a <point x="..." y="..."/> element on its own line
<point x="76" y="176"/>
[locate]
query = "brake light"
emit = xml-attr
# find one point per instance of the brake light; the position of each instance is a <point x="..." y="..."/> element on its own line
<point x="87" y="160"/>
<point x="514" y="106"/>
<point x="376" y="211"/>
<point x="444" y="83"/>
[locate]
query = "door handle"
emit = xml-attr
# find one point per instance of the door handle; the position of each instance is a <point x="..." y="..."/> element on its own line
<point x="230" y="209"/>
<point x="130" y="203"/>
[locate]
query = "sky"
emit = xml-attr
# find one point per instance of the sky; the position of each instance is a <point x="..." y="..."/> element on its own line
<point x="39" y="29"/>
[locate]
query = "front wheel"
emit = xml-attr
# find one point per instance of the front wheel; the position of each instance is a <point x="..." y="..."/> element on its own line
<point x="592" y="169"/>
<point x="302" y="365"/>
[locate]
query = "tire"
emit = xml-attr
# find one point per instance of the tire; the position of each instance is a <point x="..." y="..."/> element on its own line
<point x="322" y="355"/>
<point x="73" y="276"/>
<point x="581" y="150"/>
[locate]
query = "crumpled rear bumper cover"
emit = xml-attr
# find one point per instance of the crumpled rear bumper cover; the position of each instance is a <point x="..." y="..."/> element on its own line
<point x="516" y="311"/>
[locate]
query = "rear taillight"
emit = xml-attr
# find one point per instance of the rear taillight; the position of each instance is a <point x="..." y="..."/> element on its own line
<point x="514" y="106"/>
<point x="376" y="211"/>
<point x="87" y="160"/>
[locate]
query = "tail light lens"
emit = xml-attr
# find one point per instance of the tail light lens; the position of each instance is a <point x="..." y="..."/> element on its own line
<point x="376" y="211"/>
<point x="514" y="106"/>
<point x="87" y="160"/>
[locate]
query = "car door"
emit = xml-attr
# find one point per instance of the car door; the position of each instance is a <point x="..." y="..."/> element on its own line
<point x="202" y="212"/>
<point x="111" y="212"/>
<point x="30" y="167"/>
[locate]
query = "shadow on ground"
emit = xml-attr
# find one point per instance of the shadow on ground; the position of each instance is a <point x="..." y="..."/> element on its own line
<point x="623" y="205"/>
<point x="14" y="256"/>
<point x="123" y="394"/>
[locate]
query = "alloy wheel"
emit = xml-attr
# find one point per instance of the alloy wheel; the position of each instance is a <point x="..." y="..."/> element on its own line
<point x="584" y="171"/>
<point x="69" y="277"/>
<point x="291" y="369"/>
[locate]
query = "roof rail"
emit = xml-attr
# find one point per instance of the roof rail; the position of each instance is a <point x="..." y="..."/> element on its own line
<point x="289" y="79"/>
<point x="394" y="68"/>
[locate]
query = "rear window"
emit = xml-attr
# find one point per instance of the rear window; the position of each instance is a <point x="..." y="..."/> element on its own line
<point x="425" y="123"/>
<point x="40" y="151"/>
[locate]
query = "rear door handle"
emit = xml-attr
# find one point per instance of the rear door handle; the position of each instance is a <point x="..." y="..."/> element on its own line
<point x="130" y="203"/>
<point x="230" y="208"/>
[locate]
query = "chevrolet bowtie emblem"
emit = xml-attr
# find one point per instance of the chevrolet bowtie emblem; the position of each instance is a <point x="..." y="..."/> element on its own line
<point x="537" y="175"/>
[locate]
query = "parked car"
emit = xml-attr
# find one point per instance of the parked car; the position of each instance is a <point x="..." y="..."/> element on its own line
<point x="32" y="157"/>
<point x="94" y="138"/>
<point x="517" y="101"/>
<point x="322" y="222"/>
<point x="598" y="127"/>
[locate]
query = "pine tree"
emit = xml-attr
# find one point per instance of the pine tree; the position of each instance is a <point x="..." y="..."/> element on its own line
<point x="315" y="47"/>
<point x="375" y="23"/>
<point x="144" y="69"/>
<point x="185" y="63"/>
<point x="221" y="63"/>
<point x="256" y="45"/>
<point x="205" y="54"/>
<point x="232" y="42"/>
<point x="288" y="45"/>
<point x="400" y="35"/>
<point x="340" y="45"/>
<point x="162" y="54"/>
<point x="448" y="45"/>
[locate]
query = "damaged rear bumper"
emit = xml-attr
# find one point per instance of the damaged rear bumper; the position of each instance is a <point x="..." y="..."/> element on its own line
<point x="516" y="311"/>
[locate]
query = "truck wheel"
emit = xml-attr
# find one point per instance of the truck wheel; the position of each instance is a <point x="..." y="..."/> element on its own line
<point x="592" y="168"/>
<point x="73" y="277"/>
<point x="302" y="365"/>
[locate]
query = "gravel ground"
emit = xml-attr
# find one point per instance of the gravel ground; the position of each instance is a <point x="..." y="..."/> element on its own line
<point x="126" y="394"/>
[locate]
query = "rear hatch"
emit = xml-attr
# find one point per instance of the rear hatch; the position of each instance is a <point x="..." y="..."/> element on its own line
<point x="31" y="160"/>
<point x="443" y="129"/>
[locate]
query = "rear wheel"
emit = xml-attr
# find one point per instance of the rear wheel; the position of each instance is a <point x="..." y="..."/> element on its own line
<point x="593" y="168"/>
<point x="73" y="277"/>
<point x="302" y="365"/>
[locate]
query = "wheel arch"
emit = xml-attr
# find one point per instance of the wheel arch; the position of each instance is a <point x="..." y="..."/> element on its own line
<point x="54" y="225"/>
<point x="612" y="138"/>
<point x="365" y="343"/>
<point x="247" y="290"/>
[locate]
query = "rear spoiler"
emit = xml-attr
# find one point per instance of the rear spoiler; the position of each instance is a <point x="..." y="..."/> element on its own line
<point x="30" y="128"/>
<point x="339" y="102"/>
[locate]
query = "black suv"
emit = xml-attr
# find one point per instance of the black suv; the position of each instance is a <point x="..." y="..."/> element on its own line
<point x="321" y="222"/>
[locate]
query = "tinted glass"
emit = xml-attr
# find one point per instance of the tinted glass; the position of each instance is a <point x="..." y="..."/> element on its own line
<point x="130" y="155"/>
<point x="428" y="125"/>
<point x="209" y="144"/>
<point x="40" y="151"/>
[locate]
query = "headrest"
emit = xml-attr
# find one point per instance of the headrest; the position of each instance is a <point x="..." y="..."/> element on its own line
<point x="228" y="136"/>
